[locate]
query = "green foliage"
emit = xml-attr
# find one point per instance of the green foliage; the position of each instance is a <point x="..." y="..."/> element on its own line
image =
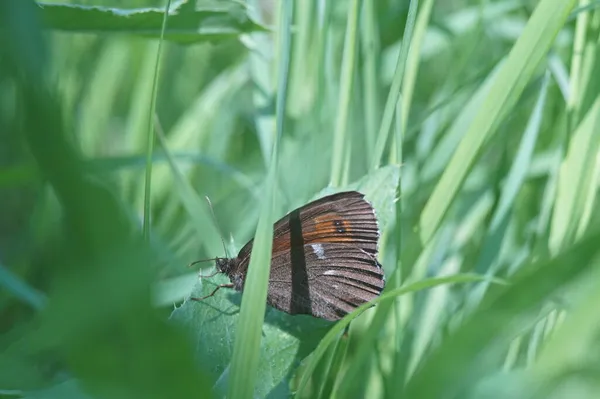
<point x="185" y="24"/>
<point x="471" y="126"/>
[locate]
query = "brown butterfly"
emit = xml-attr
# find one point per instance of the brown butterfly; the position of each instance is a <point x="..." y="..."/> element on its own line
<point x="324" y="258"/>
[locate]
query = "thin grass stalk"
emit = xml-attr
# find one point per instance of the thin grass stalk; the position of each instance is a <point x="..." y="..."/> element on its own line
<point x="246" y="351"/>
<point x="150" y="140"/>
<point x="394" y="93"/>
<point x="340" y="136"/>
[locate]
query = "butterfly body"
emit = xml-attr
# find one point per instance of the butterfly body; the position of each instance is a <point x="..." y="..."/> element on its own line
<point x="324" y="258"/>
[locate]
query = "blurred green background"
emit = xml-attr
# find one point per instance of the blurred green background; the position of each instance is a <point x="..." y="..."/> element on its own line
<point x="473" y="126"/>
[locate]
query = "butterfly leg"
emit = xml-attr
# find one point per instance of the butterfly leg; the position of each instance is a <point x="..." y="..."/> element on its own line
<point x="212" y="293"/>
<point x="210" y="275"/>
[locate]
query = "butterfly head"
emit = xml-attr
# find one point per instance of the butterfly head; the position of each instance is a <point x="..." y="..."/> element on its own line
<point x="229" y="267"/>
<point x="226" y="265"/>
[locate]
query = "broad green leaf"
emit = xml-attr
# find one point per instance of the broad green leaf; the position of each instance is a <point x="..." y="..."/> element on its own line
<point x="184" y="25"/>
<point x="175" y="289"/>
<point x="213" y="324"/>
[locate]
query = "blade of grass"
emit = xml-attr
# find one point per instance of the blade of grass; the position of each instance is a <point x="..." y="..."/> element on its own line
<point x="427" y="325"/>
<point x="514" y="181"/>
<point x="351" y="378"/>
<point x="571" y="342"/>
<point x="246" y="350"/>
<point x="261" y="66"/>
<point x="389" y="296"/>
<point x="479" y="345"/>
<point x="395" y="384"/>
<point x="575" y="177"/>
<point x="335" y="367"/>
<point x="371" y="51"/>
<point x="413" y="60"/>
<point x="576" y="90"/>
<point x="196" y="208"/>
<point x="21" y="289"/>
<point x="150" y="138"/>
<point x="448" y="143"/>
<point x="323" y="79"/>
<point x="538" y="35"/>
<point x="394" y="93"/>
<point x="340" y="135"/>
<point x="97" y="107"/>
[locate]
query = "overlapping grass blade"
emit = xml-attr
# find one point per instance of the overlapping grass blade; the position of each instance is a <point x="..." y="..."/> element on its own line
<point x="543" y="26"/>
<point x="246" y="351"/>
<point x="333" y="334"/>
<point x="341" y="143"/>
<point x="577" y="174"/>
<point x="480" y="343"/>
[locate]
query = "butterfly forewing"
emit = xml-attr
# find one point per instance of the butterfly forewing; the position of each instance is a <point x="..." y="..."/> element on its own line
<point x="344" y="218"/>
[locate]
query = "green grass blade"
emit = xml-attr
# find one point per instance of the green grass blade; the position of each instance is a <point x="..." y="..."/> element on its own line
<point x="543" y="26"/>
<point x="487" y="262"/>
<point x="371" y="48"/>
<point x="394" y="94"/>
<point x="246" y="351"/>
<point x="97" y="107"/>
<point x="340" y="137"/>
<point x="21" y="289"/>
<point x="150" y="136"/>
<point x="479" y="344"/>
<point x="574" y="179"/>
<point x="337" y="329"/>
<point x="570" y="343"/>
<point x="413" y="60"/>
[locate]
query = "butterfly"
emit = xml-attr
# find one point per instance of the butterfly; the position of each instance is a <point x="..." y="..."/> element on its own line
<point x="323" y="261"/>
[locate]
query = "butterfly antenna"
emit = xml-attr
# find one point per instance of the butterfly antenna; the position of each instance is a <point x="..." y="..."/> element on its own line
<point x="212" y="212"/>
<point x="200" y="261"/>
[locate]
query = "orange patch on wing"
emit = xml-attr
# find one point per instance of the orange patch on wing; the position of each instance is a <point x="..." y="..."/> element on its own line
<point x="282" y="243"/>
<point x="328" y="228"/>
<point x="330" y="237"/>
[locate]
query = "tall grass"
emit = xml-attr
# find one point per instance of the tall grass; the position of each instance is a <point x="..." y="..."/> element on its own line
<point x="473" y="128"/>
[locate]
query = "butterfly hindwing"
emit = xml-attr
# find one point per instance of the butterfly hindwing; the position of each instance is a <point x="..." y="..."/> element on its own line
<point x="330" y="281"/>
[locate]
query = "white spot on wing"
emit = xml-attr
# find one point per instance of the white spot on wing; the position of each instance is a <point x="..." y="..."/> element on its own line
<point x="318" y="250"/>
<point x="330" y="273"/>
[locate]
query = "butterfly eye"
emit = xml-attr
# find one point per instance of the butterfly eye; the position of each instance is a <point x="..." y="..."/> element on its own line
<point x="339" y="225"/>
